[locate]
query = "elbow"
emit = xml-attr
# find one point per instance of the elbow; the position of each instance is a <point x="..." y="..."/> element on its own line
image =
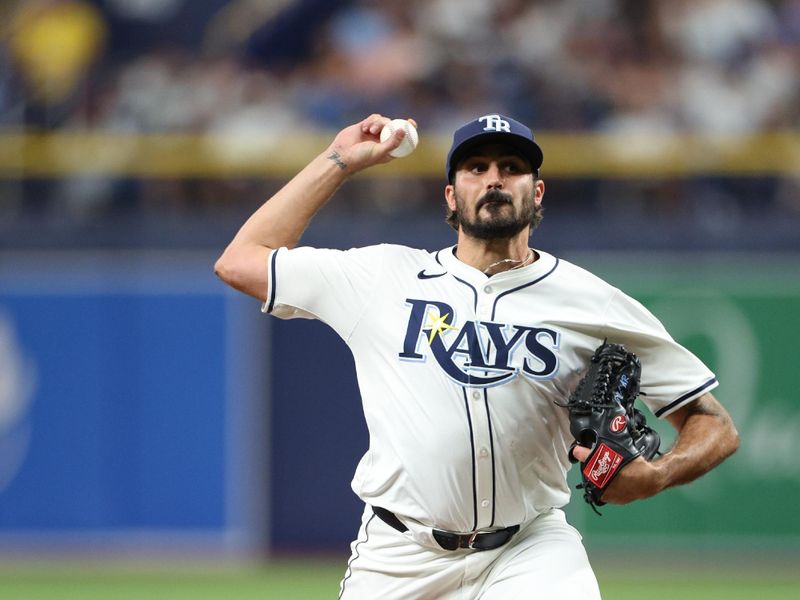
<point x="734" y="441"/>
<point x="243" y="269"/>
<point x="222" y="269"/>
<point x="730" y="441"/>
<point x="226" y="268"/>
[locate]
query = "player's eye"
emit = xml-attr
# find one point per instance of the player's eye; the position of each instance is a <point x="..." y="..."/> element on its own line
<point x="516" y="166"/>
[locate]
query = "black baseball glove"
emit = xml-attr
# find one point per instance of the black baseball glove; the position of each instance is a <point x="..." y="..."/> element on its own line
<point x="602" y="417"/>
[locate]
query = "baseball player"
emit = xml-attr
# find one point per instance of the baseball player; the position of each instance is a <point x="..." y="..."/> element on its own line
<point x="461" y="355"/>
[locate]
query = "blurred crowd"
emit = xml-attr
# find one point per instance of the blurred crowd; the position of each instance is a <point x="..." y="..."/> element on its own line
<point x="274" y="66"/>
<point x="619" y="65"/>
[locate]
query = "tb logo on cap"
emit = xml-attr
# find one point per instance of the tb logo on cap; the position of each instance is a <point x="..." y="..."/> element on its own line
<point x="495" y="123"/>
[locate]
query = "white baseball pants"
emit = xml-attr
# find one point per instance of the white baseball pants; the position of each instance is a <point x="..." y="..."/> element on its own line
<point x="545" y="560"/>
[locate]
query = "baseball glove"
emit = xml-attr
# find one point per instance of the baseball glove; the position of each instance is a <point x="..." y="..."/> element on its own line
<point x="602" y="417"/>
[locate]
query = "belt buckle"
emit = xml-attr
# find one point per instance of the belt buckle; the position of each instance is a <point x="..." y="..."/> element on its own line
<point x="472" y="537"/>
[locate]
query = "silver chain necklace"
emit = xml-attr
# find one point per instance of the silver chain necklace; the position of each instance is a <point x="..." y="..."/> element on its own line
<point x="519" y="263"/>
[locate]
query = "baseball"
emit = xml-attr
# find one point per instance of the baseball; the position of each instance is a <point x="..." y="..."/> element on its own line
<point x="409" y="142"/>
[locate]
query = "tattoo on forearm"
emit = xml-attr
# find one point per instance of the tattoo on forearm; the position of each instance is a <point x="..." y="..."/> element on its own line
<point x="337" y="159"/>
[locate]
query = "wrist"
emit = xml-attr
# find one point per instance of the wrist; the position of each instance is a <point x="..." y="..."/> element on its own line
<point x="327" y="172"/>
<point x="662" y="472"/>
<point x="335" y="159"/>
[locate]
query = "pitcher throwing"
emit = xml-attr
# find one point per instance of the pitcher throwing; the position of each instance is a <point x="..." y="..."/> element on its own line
<point x="462" y="357"/>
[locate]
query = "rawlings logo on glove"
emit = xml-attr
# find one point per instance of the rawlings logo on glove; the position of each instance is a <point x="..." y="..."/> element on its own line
<point x="602" y="468"/>
<point x="602" y="417"/>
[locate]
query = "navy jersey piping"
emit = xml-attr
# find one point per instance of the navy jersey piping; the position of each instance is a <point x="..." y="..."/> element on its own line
<point x="272" y="269"/>
<point x="524" y="285"/>
<point x="694" y="392"/>
<point x="356" y="551"/>
<point x="474" y="466"/>
<point x="491" y="447"/>
<point x="485" y="392"/>
<point x="474" y="291"/>
<point x="469" y="285"/>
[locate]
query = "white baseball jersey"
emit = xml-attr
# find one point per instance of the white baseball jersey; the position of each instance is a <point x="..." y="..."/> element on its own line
<point x="459" y="372"/>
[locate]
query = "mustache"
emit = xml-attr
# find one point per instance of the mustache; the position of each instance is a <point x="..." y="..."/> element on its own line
<point x="493" y="196"/>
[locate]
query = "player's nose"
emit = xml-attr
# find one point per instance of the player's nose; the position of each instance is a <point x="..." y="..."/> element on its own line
<point x="494" y="176"/>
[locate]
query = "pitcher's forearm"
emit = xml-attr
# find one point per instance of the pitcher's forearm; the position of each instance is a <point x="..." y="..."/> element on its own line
<point x="707" y="437"/>
<point x="282" y="220"/>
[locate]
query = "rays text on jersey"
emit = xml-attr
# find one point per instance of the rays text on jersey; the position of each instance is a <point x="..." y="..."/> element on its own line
<point x="478" y="353"/>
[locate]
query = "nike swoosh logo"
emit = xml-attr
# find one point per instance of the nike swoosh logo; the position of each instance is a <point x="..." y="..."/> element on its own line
<point x="423" y="275"/>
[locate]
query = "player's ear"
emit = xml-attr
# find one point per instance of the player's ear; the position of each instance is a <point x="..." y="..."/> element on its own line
<point x="450" y="196"/>
<point x="538" y="191"/>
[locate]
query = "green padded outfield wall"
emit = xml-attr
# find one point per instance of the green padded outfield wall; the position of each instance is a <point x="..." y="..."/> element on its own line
<point x="741" y="315"/>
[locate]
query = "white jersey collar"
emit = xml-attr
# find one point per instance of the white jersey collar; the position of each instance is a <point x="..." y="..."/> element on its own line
<point x="541" y="266"/>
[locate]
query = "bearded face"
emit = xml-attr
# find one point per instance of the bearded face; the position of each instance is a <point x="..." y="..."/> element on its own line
<point x="494" y="215"/>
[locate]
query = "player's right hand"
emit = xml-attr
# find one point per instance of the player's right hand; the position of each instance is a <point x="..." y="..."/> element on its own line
<point x="359" y="146"/>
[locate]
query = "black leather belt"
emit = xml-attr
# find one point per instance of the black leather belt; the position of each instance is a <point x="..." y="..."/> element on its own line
<point x="479" y="540"/>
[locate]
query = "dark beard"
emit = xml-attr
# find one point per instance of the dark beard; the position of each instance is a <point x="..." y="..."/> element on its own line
<point x="497" y="226"/>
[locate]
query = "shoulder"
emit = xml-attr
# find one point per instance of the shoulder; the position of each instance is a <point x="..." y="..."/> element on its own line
<point x="569" y="273"/>
<point x="375" y="249"/>
<point x="379" y="256"/>
<point x="399" y="250"/>
<point x="398" y="256"/>
<point x="374" y="252"/>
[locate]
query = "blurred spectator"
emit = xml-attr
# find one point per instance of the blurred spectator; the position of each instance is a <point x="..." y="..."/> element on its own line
<point x="286" y="37"/>
<point x="138" y="27"/>
<point x="369" y="59"/>
<point x="720" y="32"/>
<point x="11" y="107"/>
<point x="252" y="24"/>
<point x="54" y="43"/>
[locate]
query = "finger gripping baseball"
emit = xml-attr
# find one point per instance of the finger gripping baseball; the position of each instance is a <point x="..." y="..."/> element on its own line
<point x="602" y="417"/>
<point x="407" y="145"/>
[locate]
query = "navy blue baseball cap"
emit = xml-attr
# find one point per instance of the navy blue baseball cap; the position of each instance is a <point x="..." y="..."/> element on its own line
<point x="493" y="129"/>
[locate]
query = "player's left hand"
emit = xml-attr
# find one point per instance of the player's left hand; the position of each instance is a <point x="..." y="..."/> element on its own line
<point x="639" y="479"/>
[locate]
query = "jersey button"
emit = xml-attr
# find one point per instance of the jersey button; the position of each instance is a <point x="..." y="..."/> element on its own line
<point x="488" y="289"/>
<point x="476" y="394"/>
<point x="484" y="452"/>
<point x="485" y="503"/>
